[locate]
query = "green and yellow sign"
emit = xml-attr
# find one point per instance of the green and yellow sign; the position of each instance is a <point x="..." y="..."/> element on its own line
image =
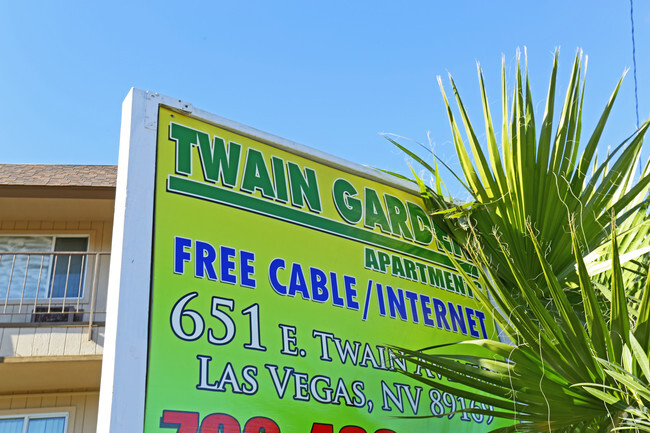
<point x="281" y="286"/>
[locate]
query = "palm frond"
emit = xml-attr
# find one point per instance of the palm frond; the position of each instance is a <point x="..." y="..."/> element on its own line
<point x="562" y="244"/>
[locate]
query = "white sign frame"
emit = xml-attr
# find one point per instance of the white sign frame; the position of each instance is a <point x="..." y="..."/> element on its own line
<point x="124" y="367"/>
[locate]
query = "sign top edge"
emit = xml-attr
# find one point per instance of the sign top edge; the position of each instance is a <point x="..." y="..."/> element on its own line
<point x="154" y="100"/>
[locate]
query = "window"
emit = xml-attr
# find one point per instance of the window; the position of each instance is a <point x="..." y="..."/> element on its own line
<point x="37" y="423"/>
<point x="69" y="269"/>
<point x="42" y="276"/>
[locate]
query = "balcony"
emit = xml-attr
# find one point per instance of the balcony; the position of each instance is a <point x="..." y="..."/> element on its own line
<point x="52" y="303"/>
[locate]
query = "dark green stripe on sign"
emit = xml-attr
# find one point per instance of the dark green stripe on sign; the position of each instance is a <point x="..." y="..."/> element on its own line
<point x="193" y="188"/>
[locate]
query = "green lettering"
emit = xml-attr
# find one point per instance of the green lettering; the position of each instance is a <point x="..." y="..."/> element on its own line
<point x="459" y="285"/>
<point x="448" y="281"/>
<point x="349" y="207"/>
<point x="304" y="187"/>
<point x="409" y="270"/>
<point x="435" y="277"/>
<point x="420" y="223"/>
<point x="279" y="177"/>
<point x="398" y="216"/>
<point x="398" y="267"/>
<point x="371" y="259"/>
<point x="185" y="138"/>
<point x="421" y="269"/>
<point x="444" y="240"/>
<point x="256" y="175"/>
<point x="470" y="293"/>
<point x="375" y="215"/>
<point x="384" y="260"/>
<point x="217" y="162"/>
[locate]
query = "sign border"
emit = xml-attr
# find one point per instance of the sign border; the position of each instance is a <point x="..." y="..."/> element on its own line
<point x="126" y="342"/>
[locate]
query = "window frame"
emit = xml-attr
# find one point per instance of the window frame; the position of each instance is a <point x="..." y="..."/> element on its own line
<point x="29" y="414"/>
<point x="54" y="300"/>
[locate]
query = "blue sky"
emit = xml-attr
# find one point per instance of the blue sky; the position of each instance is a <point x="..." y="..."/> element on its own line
<point x="330" y="75"/>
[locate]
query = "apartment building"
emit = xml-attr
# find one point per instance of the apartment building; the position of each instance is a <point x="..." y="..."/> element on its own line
<point x="55" y="238"/>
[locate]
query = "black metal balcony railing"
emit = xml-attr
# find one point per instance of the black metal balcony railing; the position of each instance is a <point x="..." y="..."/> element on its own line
<point x="50" y="288"/>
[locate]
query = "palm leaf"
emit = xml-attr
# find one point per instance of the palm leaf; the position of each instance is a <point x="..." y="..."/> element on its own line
<point x="581" y="327"/>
